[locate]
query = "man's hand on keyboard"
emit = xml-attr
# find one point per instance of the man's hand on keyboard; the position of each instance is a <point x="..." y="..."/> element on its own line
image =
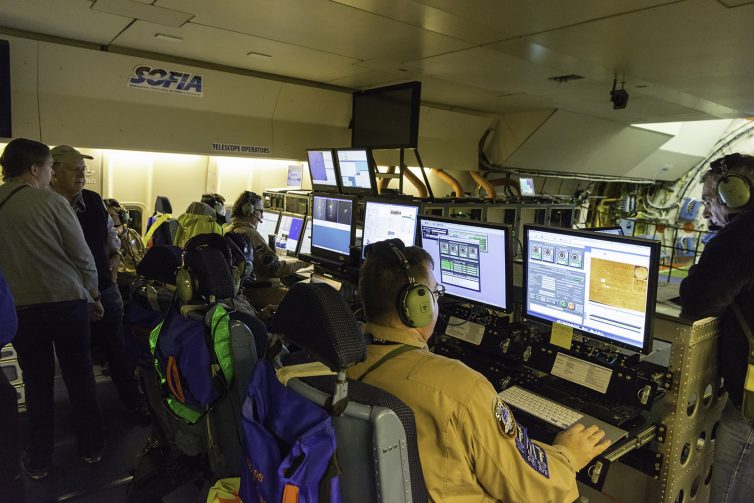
<point x="583" y="443"/>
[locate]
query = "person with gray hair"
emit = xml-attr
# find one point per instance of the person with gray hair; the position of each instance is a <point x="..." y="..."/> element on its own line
<point x="722" y="284"/>
<point x="53" y="278"/>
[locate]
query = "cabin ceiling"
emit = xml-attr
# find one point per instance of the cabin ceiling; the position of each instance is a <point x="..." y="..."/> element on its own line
<point x="681" y="60"/>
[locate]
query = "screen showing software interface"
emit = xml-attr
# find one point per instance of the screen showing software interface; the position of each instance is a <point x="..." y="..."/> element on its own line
<point x="268" y="224"/>
<point x="527" y="186"/>
<point x="354" y="169"/>
<point x="596" y="286"/>
<point x="387" y="221"/>
<point x="292" y="226"/>
<point x="470" y="260"/>
<point x="322" y="167"/>
<point x="331" y="226"/>
<point x="306" y="244"/>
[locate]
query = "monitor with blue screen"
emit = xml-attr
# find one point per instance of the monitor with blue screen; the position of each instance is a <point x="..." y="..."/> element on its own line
<point x="269" y="223"/>
<point x="292" y="225"/>
<point x="604" y="286"/>
<point x="388" y="220"/>
<point x="356" y="175"/>
<point x="333" y="226"/>
<point x="472" y="259"/>
<point x="323" y="170"/>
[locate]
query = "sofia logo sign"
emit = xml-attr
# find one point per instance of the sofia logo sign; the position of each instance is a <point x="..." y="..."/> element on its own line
<point x="169" y="81"/>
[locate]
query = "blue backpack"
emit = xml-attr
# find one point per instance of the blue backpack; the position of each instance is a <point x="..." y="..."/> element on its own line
<point x="289" y="445"/>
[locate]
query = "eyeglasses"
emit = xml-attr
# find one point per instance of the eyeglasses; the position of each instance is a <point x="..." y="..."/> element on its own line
<point x="707" y="203"/>
<point x="439" y="292"/>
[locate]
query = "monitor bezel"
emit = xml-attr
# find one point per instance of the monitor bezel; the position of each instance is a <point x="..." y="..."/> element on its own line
<point x="329" y="254"/>
<point x="318" y="187"/>
<point x="415" y="87"/>
<point x="277" y="223"/>
<point x="654" y="265"/>
<point x="357" y="191"/>
<point x="396" y="201"/>
<point x="301" y="243"/>
<point x="605" y="228"/>
<point x="507" y="259"/>
<point x="303" y="230"/>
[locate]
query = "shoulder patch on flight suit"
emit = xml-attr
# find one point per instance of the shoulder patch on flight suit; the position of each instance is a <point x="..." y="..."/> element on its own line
<point x="534" y="455"/>
<point x="504" y="417"/>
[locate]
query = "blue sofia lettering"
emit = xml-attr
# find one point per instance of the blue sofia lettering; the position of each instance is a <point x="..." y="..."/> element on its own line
<point x="533" y="454"/>
<point x="159" y="78"/>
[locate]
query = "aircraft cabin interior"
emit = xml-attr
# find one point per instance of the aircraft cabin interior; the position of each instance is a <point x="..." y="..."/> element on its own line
<point x="552" y="158"/>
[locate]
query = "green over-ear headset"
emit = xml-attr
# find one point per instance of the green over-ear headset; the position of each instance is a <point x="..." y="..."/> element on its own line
<point x="733" y="191"/>
<point x="186" y="279"/>
<point x="415" y="302"/>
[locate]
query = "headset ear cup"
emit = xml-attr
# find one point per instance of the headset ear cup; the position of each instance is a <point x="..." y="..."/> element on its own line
<point x="416" y="305"/>
<point x="184" y="283"/>
<point x="734" y="191"/>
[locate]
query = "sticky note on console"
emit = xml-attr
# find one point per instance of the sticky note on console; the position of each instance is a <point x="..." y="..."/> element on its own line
<point x="562" y="335"/>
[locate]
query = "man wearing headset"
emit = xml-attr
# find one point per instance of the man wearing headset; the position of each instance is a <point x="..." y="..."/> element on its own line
<point x="247" y="214"/>
<point x="722" y="284"/>
<point x="471" y="447"/>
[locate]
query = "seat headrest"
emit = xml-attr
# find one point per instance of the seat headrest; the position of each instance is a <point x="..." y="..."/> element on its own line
<point x="162" y="205"/>
<point x="315" y="317"/>
<point x="160" y="263"/>
<point x="209" y="266"/>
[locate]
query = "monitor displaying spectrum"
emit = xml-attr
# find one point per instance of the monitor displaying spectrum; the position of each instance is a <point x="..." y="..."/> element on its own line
<point x="604" y="286"/>
<point x="472" y="259"/>
<point x="387" y="220"/>
<point x="333" y="226"/>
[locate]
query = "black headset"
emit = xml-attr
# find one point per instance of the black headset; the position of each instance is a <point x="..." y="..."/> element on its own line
<point x="415" y="301"/>
<point x="123" y="214"/>
<point x="733" y="191"/>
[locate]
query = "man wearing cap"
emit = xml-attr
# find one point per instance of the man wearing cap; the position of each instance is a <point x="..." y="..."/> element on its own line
<point x="69" y="180"/>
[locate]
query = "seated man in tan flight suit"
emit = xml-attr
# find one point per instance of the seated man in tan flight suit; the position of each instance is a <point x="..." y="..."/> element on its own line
<point x="471" y="447"/>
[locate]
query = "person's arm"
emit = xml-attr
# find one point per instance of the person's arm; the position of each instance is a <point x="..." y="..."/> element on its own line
<point x="724" y="268"/>
<point x="512" y="467"/>
<point x="7" y="314"/>
<point x="265" y="257"/>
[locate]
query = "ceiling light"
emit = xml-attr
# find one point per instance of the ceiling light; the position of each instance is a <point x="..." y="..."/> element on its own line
<point x="258" y="55"/>
<point x="169" y="38"/>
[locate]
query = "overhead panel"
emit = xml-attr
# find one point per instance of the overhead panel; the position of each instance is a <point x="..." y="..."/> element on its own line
<point x="138" y="10"/>
<point x="573" y="143"/>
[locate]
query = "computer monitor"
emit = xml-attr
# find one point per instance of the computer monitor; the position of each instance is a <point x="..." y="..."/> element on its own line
<point x="612" y="230"/>
<point x="269" y="223"/>
<point x="601" y="285"/>
<point x="292" y="225"/>
<point x="306" y="243"/>
<point x="333" y="226"/>
<point x="356" y="174"/>
<point x="526" y="186"/>
<point x="323" y="170"/>
<point x="388" y="220"/>
<point x="472" y="259"/>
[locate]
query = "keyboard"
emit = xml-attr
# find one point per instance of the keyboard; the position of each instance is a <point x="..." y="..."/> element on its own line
<point x="539" y="406"/>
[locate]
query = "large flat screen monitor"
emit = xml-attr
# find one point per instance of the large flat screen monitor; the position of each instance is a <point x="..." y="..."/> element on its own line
<point x="306" y="243"/>
<point x="472" y="259"/>
<point x="323" y="170"/>
<point x="604" y="286"/>
<point x="387" y="117"/>
<point x="333" y="226"/>
<point x="356" y="174"/>
<point x="269" y="223"/>
<point x="388" y="220"/>
<point x="292" y="225"/>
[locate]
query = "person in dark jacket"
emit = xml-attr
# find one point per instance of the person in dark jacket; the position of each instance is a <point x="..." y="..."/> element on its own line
<point x="101" y="237"/>
<point x="721" y="282"/>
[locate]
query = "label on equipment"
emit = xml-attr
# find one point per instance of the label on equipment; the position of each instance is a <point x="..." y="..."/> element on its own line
<point x="582" y="372"/>
<point x="465" y="330"/>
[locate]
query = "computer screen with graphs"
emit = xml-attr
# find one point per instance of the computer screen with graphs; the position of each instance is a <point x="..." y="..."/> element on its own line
<point x="292" y="225"/>
<point x="356" y="175"/>
<point x="332" y="226"/>
<point x="388" y="220"/>
<point x="323" y="170"/>
<point x="602" y="285"/>
<point x="472" y="259"/>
